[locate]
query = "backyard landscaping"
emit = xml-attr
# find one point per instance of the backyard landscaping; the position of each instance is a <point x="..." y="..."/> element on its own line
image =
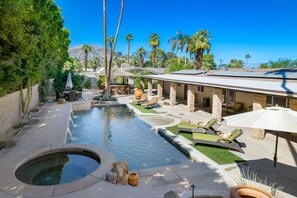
<point x="219" y="155"/>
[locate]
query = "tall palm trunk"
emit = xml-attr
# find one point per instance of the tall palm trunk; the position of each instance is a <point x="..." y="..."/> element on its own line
<point x="198" y="59"/>
<point x="112" y="50"/>
<point x="128" y="56"/>
<point x="141" y="61"/>
<point x="154" y="57"/>
<point x="105" y="45"/>
<point x="86" y="60"/>
<point x="179" y="51"/>
<point x="185" y="59"/>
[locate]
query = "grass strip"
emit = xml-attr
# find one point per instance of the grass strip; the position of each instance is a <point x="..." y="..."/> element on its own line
<point x="220" y="155"/>
<point x="143" y="110"/>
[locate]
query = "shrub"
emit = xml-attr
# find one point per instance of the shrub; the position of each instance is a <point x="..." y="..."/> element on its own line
<point x="88" y="84"/>
<point x="104" y="98"/>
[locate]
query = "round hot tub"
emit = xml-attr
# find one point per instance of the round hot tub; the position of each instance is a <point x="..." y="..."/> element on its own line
<point x="58" y="168"/>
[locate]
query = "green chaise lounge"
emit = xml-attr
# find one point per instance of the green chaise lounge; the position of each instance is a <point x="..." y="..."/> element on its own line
<point x="151" y="103"/>
<point x="216" y="140"/>
<point x="187" y="127"/>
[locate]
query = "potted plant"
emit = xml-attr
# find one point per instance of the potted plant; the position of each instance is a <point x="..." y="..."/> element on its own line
<point x="250" y="186"/>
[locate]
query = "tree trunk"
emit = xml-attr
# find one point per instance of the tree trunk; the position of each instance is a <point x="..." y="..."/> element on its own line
<point x="112" y="50"/>
<point x="154" y="57"/>
<point x="179" y="56"/>
<point x="105" y="45"/>
<point x="198" y="59"/>
<point x="128" y="56"/>
<point x="185" y="59"/>
<point x="141" y="61"/>
<point x="86" y="60"/>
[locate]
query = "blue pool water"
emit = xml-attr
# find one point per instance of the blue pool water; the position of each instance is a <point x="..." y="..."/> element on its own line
<point x="126" y="136"/>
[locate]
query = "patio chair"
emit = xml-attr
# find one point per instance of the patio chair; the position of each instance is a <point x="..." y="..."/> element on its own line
<point x="187" y="127"/>
<point x="143" y="99"/>
<point x="151" y="103"/>
<point x="72" y="96"/>
<point x="235" y="108"/>
<point x="217" y="140"/>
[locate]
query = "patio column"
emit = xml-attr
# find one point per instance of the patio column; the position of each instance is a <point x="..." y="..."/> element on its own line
<point x="172" y="93"/>
<point x="217" y="99"/>
<point x="150" y="87"/>
<point x="293" y="104"/>
<point x="142" y="84"/>
<point x="160" y="89"/>
<point x="191" y="98"/>
<point x="259" y="102"/>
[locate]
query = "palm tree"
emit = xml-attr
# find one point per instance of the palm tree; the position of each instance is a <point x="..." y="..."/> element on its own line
<point x="86" y="48"/>
<point x="154" y="42"/>
<point x="108" y="66"/>
<point x="141" y="53"/>
<point x="177" y="43"/>
<point x="199" y="43"/>
<point x="187" y="40"/>
<point x="110" y="41"/>
<point x="247" y="57"/>
<point x="128" y="37"/>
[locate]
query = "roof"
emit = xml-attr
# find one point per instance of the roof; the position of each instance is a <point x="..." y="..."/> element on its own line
<point x="148" y="69"/>
<point x="275" y="74"/>
<point x="190" y="72"/>
<point x="275" y="87"/>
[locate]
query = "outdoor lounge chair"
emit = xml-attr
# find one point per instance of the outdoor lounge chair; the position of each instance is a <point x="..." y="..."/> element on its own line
<point x="187" y="127"/>
<point x="151" y="103"/>
<point x="235" y="108"/>
<point x="216" y="140"/>
<point x="143" y="99"/>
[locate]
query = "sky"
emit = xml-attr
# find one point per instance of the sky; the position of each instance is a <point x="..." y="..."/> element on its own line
<point x="265" y="29"/>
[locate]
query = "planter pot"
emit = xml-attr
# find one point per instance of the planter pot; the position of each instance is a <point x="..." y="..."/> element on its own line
<point x="138" y="93"/>
<point x="244" y="191"/>
<point x="133" y="179"/>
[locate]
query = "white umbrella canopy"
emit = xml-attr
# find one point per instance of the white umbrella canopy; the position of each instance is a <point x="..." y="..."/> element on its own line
<point x="69" y="84"/>
<point x="271" y="118"/>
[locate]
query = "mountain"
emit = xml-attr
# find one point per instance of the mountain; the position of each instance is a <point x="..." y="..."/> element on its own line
<point x="77" y="52"/>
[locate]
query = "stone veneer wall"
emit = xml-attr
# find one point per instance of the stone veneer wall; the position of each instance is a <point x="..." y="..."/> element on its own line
<point x="10" y="108"/>
<point x="293" y="104"/>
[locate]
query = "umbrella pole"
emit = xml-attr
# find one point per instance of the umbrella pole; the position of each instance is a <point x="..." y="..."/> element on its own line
<point x="275" y="152"/>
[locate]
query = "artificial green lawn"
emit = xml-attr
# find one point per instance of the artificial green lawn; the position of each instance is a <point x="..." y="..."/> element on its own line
<point x="219" y="155"/>
<point x="143" y="110"/>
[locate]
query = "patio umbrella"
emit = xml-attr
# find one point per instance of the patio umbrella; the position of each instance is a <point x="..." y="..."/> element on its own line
<point x="69" y="82"/>
<point x="271" y="118"/>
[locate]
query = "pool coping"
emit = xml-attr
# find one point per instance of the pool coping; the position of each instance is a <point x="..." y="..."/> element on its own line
<point x="11" y="183"/>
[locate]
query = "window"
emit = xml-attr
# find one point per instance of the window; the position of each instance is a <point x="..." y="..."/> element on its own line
<point x="228" y="97"/>
<point x="200" y="88"/>
<point x="274" y="100"/>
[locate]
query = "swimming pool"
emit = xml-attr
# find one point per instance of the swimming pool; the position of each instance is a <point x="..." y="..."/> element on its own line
<point x="125" y="135"/>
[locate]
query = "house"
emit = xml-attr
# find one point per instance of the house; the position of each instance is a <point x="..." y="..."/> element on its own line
<point x="220" y="90"/>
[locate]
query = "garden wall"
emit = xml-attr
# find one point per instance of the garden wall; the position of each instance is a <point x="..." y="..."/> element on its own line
<point x="10" y="108"/>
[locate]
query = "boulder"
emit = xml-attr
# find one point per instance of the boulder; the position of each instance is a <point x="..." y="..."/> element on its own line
<point x="171" y="194"/>
<point x="121" y="170"/>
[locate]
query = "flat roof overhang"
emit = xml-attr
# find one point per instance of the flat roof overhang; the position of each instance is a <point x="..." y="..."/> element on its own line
<point x="278" y="87"/>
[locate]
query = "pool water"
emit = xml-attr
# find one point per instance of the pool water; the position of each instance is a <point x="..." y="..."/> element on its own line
<point x="57" y="168"/>
<point x="129" y="138"/>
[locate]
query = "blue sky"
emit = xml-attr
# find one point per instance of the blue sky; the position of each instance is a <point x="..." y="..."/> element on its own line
<point x="265" y="29"/>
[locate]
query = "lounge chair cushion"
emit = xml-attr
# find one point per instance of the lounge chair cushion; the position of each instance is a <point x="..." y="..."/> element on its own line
<point x="235" y="133"/>
<point x="210" y="123"/>
<point x="226" y="135"/>
<point x="206" y="137"/>
<point x="186" y="126"/>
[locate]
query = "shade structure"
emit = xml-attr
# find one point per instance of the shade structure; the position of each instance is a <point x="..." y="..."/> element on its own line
<point x="271" y="118"/>
<point x="118" y="72"/>
<point x="69" y="84"/>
